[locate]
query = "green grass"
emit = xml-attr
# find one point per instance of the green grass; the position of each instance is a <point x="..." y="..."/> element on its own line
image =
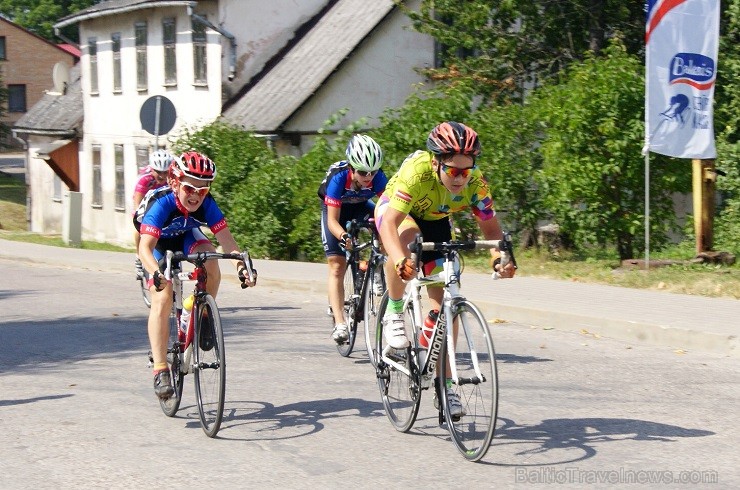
<point x="12" y="203"/>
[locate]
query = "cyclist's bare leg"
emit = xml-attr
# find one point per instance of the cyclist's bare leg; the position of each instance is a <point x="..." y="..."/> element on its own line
<point x="407" y="233"/>
<point x="337" y="267"/>
<point x="158" y="325"/>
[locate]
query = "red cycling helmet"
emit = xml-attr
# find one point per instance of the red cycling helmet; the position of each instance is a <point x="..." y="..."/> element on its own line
<point x="453" y="138"/>
<point x="195" y="165"/>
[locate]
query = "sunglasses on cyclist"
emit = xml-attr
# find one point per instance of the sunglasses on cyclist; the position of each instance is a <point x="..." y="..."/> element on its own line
<point x="363" y="173"/>
<point x="453" y="172"/>
<point x="191" y="189"/>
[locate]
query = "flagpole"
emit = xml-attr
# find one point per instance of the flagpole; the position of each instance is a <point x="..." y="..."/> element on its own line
<point x="647" y="210"/>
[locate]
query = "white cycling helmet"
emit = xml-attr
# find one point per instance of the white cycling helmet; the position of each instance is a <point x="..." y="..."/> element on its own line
<point x="160" y="160"/>
<point x="363" y="153"/>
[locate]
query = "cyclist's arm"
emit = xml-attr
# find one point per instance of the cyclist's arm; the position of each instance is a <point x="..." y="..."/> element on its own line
<point x="146" y="253"/>
<point x="229" y="245"/>
<point x="138" y="197"/>
<point x="332" y="222"/>
<point x="392" y="219"/>
<point x="491" y="229"/>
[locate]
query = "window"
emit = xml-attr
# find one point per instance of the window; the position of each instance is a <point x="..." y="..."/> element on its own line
<point x="97" y="180"/>
<point x="199" y="54"/>
<point x="16" y="98"/>
<point x="116" y="49"/>
<point x="142" y="157"/>
<point x="92" y="51"/>
<point x="57" y="193"/>
<point x="141" y="47"/>
<point x="169" y="40"/>
<point x="120" y="180"/>
<point x="3" y="54"/>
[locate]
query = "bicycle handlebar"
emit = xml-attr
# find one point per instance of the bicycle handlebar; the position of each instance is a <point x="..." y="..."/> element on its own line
<point x="200" y="258"/>
<point x="504" y="246"/>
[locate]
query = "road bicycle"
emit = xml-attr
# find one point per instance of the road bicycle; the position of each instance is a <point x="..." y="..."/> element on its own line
<point x="466" y="350"/>
<point x="145" y="293"/>
<point x="200" y="348"/>
<point x="364" y="279"/>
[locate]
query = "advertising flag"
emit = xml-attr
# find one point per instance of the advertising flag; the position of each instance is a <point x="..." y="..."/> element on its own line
<point x="682" y="43"/>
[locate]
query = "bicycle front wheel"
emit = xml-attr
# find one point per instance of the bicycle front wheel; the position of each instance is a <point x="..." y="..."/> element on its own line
<point x="351" y="302"/>
<point x="477" y="387"/>
<point x="172" y="404"/>
<point x="398" y="376"/>
<point x="209" y="366"/>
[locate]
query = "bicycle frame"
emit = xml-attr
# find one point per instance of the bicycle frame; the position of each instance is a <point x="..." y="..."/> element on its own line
<point x="449" y="280"/>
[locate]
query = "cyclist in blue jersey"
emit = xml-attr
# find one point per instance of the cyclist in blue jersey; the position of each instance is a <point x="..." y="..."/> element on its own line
<point x="345" y="195"/>
<point x="170" y="218"/>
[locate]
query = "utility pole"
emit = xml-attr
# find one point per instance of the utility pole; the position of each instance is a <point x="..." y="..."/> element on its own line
<point x="704" y="176"/>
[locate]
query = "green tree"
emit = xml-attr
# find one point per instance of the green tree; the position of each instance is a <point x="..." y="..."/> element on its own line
<point x="39" y="16"/>
<point x="505" y="46"/>
<point x="592" y="165"/>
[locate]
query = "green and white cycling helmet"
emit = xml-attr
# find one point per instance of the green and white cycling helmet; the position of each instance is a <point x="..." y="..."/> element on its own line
<point x="364" y="154"/>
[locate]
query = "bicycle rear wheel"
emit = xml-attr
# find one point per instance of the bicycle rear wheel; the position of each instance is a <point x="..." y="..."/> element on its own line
<point x="145" y="293"/>
<point x="210" y="365"/>
<point x="371" y="308"/>
<point x="475" y="361"/>
<point x="172" y="404"/>
<point x="351" y="303"/>
<point x="400" y="391"/>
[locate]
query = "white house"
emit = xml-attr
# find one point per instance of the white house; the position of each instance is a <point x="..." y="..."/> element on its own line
<point x="279" y="68"/>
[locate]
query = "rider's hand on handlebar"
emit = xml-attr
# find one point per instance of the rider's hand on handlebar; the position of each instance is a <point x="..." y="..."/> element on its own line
<point x="405" y="268"/>
<point x="345" y="242"/>
<point x="158" y="281"/>
<point x="502" y="272"/>
<point x="244" y="277"/>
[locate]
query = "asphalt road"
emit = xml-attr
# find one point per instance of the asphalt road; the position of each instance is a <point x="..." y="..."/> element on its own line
<point x="77" y="407"/>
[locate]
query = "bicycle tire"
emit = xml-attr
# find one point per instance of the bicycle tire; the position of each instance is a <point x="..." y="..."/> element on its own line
<point x="400" y="393"/>
<point x="145" y="293"/>
<point x="210" y="365"/>
<point x="472" y="433"/>
<point x="370" y="309"/>
<point x="351" y="304"/>
<point x="171" y="405"/>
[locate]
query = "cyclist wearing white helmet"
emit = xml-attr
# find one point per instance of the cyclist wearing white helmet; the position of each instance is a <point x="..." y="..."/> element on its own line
<point x="151" y="177"/>
<point x="345" y="195"/>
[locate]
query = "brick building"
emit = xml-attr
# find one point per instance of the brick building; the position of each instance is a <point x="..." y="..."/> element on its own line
<point x="26" y="65"/>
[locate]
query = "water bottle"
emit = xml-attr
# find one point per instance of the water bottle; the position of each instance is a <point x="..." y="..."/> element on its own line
<point x="187" y="308"/>
<point x="425" y="332"/>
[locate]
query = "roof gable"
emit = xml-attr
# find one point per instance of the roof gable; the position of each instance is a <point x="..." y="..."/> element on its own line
<point x="287" y="85"/>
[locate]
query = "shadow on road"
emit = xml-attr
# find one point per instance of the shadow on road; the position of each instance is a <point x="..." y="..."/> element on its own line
<point x="560" y="441"/>
<point x="267" y="422"/>
<point x="7" y="403"/>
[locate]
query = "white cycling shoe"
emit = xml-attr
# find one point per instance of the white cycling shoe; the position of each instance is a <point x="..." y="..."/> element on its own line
<point x="340" y="333"/>
<point x="394" y="330"/>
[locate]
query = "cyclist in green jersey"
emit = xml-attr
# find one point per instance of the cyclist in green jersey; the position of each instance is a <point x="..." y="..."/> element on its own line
<point x="419" y="198"/>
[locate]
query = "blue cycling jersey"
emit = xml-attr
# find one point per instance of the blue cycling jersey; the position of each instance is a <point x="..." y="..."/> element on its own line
<point x="161" y="215"/>
<point x="337" y="189"/>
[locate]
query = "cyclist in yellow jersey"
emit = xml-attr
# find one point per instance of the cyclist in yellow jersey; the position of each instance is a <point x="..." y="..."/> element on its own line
<point x="419" y="198"/>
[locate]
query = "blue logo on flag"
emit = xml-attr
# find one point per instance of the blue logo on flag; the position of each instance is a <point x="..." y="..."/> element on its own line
<point x="692" y="69"/>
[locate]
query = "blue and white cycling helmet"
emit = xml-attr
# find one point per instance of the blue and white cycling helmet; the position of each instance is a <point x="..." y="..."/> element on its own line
<point x="364" y="154"/>
<point x="161" y="160"/>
